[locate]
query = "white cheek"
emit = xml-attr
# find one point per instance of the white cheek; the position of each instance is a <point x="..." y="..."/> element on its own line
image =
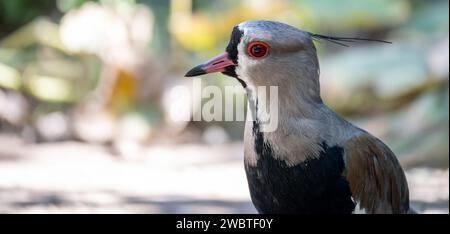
<point x="246" y="65"/>
<point x="241" y="69"/>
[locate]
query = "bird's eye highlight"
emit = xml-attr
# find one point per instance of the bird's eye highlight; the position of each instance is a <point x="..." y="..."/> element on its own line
<point x="258" y="49"/>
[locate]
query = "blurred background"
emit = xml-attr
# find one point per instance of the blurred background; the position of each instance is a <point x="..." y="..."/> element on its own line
<point x="87" y="87"/>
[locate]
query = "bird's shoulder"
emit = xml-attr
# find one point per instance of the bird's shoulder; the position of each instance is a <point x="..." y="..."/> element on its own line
<point x="375" y="177"/>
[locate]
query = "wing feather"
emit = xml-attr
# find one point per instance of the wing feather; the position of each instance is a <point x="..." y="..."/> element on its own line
<point x="376" y="178"/>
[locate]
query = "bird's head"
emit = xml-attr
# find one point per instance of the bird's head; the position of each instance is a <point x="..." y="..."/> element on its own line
<point x="268" y="53"/>
<point x="265" y="53"/>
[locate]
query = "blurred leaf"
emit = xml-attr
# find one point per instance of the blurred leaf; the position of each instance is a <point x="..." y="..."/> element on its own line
<point x="67" y="5"/>
<point x="430" y="19"/>
<point x="348" y="14"/>
<point x="391" y="70"/>
<point x="51" y="89"/>
<point x="196" y="33"/>
<point x="16" y="13"/>
<point x="420" y="131"/>
<point x="122" y="93"/>
<point x="41" y="30"/>
<point x="9" y="77"/>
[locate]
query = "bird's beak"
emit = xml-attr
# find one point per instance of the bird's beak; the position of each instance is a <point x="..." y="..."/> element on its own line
<point x="216" y="64"/>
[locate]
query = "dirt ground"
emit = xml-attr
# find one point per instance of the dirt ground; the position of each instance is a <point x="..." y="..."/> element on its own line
<point x="73" y="177"/>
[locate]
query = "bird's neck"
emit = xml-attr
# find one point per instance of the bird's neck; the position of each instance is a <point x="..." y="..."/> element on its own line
<point x="293" y="109"/>
<point x="300" y="100"/>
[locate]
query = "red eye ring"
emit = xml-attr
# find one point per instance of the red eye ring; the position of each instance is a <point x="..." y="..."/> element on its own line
<point x="258" y="49"/>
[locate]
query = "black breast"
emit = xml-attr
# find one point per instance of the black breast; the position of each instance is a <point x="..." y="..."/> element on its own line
<point x="314" y="186"/>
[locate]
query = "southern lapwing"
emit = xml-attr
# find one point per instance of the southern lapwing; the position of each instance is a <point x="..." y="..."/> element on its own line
<point x="315" y="161"/>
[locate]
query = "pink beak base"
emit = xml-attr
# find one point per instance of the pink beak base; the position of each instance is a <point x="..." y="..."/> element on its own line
<point x="216" y="64"/>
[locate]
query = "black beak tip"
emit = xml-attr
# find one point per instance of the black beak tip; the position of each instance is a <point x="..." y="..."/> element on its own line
<point x="196" y="71"/>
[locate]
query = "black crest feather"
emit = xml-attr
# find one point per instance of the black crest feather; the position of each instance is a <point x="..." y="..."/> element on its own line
<point x="343" y="40"/>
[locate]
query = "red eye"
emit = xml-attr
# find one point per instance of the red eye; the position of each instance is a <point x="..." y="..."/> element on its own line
<point x="258" y="49"/>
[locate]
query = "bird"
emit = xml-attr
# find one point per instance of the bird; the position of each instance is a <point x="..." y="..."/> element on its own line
<point x="314" y="162"/>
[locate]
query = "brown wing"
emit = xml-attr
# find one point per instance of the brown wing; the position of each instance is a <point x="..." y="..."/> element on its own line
<point x="376" y="179"/>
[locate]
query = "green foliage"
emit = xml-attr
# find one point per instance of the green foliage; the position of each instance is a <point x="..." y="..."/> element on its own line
<point x="15" y="13"/>
<point x="347" y="14"/>
<point x="431" y="18"/>
<point x="67" y="5"/>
